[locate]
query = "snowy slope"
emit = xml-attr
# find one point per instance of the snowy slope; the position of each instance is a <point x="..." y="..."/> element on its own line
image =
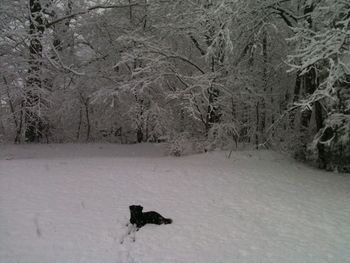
<point x="69" y="203"/>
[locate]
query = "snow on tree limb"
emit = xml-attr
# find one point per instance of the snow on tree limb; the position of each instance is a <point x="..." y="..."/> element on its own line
<point x="50" y="24"/>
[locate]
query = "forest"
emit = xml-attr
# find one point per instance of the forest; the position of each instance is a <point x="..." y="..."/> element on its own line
<point x="198" y="75"/>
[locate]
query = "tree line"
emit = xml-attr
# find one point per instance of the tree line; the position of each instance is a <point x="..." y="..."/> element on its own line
<point x="205" y="73"/>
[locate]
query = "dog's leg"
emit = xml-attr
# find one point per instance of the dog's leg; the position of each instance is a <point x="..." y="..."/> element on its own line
<point x="133" y="233"/>
<point x="129" y="232"/>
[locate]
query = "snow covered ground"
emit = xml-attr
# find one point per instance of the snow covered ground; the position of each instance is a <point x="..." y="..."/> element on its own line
<point x="69" y="204"/>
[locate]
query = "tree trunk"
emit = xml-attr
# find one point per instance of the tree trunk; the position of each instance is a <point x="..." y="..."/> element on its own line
<point x="311" y="82"/>
<point x="257" y="132"/>
<point x="213" y="113"/>
<point x="306" y="85"/>
<point x="263" y="112"/>
<point x="88" y="125"/>
<point x="32" y="101"/>
<point x="79" y="124"/>
<point x="139" y="135"/>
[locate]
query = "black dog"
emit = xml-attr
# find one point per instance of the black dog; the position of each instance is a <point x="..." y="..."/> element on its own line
<point x="138" y="218"/>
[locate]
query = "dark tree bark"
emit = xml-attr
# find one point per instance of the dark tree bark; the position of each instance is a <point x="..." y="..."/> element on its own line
<point x="213" y="111"/>
<point x="264" y="81"/>
<point x="139" y="135"/>
<point x="32" y="103"/>
<point x="80" y="122"/>
<point x="257" y="125"/>
<point x="311" y="81"/>
<point x="60" y="30"/>
<point x="88" y="125"/>
<point x="306" y="85"/>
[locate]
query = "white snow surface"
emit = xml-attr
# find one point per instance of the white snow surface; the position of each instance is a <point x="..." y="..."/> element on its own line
<point x="69" y="204"/>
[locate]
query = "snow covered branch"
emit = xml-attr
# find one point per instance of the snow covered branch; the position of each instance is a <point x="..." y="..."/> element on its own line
<point x="83" y="12"/>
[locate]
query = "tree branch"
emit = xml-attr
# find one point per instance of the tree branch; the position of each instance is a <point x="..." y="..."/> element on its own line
<point x="175" y="56"/>
<point x="195" y="42"/>
<point x="49" y="24"/>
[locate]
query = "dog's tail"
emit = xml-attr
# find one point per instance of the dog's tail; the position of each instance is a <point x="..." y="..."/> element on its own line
<point x="167" y="220"/>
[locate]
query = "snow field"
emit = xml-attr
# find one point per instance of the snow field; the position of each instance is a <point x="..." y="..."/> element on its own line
<point x="69" y="203"/>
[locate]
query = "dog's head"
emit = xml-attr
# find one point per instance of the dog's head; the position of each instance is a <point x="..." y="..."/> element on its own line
<point x="135" y="209"/>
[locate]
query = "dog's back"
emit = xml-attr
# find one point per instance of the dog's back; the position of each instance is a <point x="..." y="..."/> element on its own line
<point x="155" y="218"/>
